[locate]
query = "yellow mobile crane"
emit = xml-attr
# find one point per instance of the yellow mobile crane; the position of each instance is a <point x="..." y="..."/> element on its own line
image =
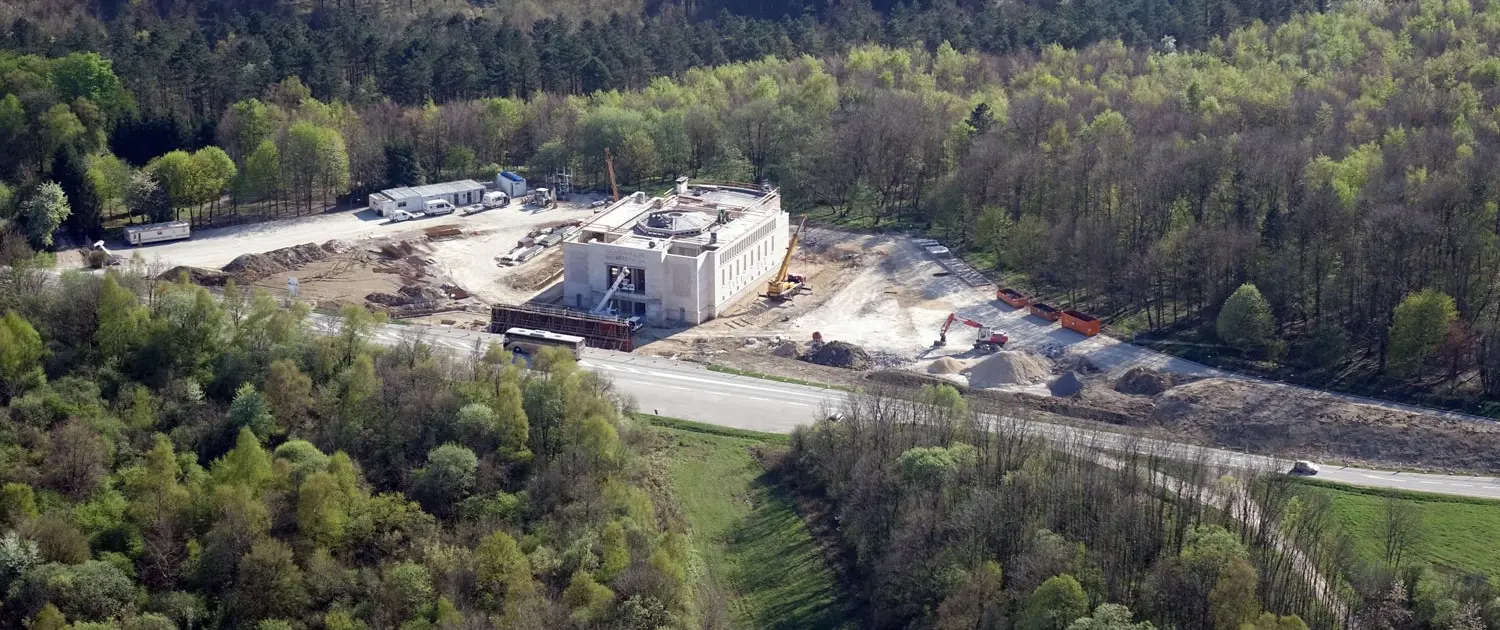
<point x="785" y="285"/>
<point x="609" y="162"/>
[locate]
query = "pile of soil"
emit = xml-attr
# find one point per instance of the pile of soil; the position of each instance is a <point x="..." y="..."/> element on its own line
<point x="841" y="354"/>
<point x="1008" y="367"/>
<point x="196" y="275"/>
<point x="1143" y="381"/>
<point x="1069" y="384"/>
<point x="385" y="299"/>
<point x="946" y="365"/>
<point x="248" y="268"/>
<point x="786" y="350"/>
<point x="1279" y="419"/>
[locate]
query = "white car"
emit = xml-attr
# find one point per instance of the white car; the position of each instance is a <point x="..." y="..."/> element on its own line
<point x="402" y="215"/>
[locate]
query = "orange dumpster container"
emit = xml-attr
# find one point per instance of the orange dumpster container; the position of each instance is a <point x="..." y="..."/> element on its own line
<point x="1045" y="311"/>
<point x="1081" y="322"/>
<point x="1013" y="297"/>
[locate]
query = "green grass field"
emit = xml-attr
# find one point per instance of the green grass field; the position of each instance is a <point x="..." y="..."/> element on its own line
<point x="755" y="546"/>
<point x="1457" y="534"/>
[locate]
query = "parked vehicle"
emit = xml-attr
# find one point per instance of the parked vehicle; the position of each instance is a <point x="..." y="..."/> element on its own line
<point x="496" y="199"/>
<point x="528" y="341"/>
<point x="402" y="215"/>
<point x="157" y="232"/>
<point x="438" y="207"/>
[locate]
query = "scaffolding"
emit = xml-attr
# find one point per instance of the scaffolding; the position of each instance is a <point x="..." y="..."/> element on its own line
<point x="562" y="183"/>
<point x="601" y="331"/>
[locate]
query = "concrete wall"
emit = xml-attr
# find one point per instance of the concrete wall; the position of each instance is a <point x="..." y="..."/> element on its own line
<point x="678" y="288"/>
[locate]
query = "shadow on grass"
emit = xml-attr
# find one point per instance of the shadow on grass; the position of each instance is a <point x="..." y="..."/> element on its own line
<point x="781" y="570"/>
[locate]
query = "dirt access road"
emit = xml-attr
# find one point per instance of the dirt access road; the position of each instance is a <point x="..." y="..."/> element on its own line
<point x="214" y="248"/>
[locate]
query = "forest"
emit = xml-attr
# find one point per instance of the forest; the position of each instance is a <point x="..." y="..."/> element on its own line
<point x="953" y="515"/>
<point x="1337" y="163"/>
<point x="169" y="460"/>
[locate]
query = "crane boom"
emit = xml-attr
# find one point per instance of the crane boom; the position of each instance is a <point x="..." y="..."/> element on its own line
<point x="609" y="162"/>
<point x="783" y="286"/>
<point x="619" y="280"/>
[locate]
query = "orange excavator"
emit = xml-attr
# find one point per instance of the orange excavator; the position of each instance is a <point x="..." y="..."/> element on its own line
<point x="989" y="339"/>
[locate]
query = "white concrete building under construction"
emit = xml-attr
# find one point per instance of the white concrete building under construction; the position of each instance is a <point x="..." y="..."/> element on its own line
<point x="686" y="255"/>
<point x="413" y="198"/>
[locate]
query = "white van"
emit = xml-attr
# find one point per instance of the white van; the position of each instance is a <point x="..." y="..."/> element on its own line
<point x="402" y="215"/>
<point x="438" y="207"/>
<point x="496" y="199"/>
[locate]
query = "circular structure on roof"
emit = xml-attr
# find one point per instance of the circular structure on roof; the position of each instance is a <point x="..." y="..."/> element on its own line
<point x="674" y="223"/>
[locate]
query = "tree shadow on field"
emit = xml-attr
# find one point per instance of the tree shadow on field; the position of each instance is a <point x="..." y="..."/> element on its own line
<point x="781" y="568"/>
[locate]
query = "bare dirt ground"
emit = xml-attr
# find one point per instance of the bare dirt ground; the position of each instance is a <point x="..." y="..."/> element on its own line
<point x="885" y="294"/>
<point x="431" y="257"/>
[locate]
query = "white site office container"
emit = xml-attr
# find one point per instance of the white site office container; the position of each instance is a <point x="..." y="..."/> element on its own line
<point x="157" y="232"/>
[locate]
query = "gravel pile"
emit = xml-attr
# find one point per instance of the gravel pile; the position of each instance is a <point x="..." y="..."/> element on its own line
<point x="1143" y="381"/>
<point x="841" y="354"/>
<point x="1008" y="367"/>
<point x="786" y="350"/>
<point x="196" y="275"/>
<point x="1069" y="384"/>
<point x="946" y="365"/>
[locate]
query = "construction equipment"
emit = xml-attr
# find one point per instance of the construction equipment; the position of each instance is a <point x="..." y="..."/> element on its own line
<point x="989" y="339"/>
<point x="785" y="285"/>
<point x="621" y="277"/>
<point x="609" y="162"/>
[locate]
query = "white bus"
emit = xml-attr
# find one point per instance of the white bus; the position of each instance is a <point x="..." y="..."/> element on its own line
<point x="528" y="341"/>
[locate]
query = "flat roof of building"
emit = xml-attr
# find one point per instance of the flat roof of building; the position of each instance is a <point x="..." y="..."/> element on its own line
<point x="743" y="205"/>
<point x="432" y="190"/>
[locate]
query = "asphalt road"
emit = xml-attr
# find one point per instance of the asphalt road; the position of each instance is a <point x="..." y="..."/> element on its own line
<point x="692" y="392"/>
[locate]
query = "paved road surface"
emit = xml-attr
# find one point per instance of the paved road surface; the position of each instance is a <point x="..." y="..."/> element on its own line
<point x="692" y="392"/>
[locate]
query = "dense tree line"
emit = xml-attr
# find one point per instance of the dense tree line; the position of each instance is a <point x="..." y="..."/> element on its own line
<point x="173" y="460"/>
<point x="951" y="518"/>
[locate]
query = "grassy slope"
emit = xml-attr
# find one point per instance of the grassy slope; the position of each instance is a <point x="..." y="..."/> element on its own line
<point x="1457" y="534"/>
<point x="756" y="547"/>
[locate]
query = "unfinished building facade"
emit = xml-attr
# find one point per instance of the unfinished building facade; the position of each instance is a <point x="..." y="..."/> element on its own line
<point x="685" y="256"/>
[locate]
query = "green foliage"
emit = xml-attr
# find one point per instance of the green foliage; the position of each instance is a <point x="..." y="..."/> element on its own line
<point x="501" y="570"/>
<point x="1271" y="621"/>
<point x="447" y="478"/>
<point x="21" y="353"/>
<point x="1054" y="605"/>
<point x="588" y="601"/>
<point x="247" y="465"/>
<point x="1245" y="320"/>
<point x="250" y="411"/>
<point x="270" y="585"/>
<point x="1110" y="617"/>
<point x="42" y="212"/>
<point x="975" y="601"/>
<point x="406" y="591"/>
<point x="1418" y="327"/>
<point x="614" y="555"/>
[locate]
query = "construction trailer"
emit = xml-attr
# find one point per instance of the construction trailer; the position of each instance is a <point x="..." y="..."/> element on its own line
<point x="513" y="185"/>
<point x="413" y="199"/>
<point x="157" y="232"/>
<point x="601" y="330"/>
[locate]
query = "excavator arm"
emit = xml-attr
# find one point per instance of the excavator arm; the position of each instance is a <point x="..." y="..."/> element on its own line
<point x="953" y="317"/>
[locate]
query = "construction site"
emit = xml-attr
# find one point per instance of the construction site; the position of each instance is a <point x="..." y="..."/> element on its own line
<point x="719" y="274"/>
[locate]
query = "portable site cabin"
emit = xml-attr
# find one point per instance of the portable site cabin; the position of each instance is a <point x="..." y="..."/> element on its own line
<point x="157" y="232"/>
<point x="414" y="199"/>
<point x="513" y="185"/>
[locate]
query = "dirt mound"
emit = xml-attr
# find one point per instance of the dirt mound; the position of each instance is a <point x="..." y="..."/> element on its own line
<point x="841" y="354"/>
<point x="1143" y="381"/>
<point x="946" y="365"/>
<point x="786" y="350"/>
<point x="1008" y="368"/>
<point x="249" y="268"/>
<point x="196" y="275"/>
<point x="1069" y="384"/>
<point x="1279" y="419"/>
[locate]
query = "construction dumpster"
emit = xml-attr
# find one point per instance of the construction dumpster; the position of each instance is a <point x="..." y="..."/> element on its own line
<point x="1081" y="322"/>
<point x="1013" y="297"/>
<point x="1046" y="311"/>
